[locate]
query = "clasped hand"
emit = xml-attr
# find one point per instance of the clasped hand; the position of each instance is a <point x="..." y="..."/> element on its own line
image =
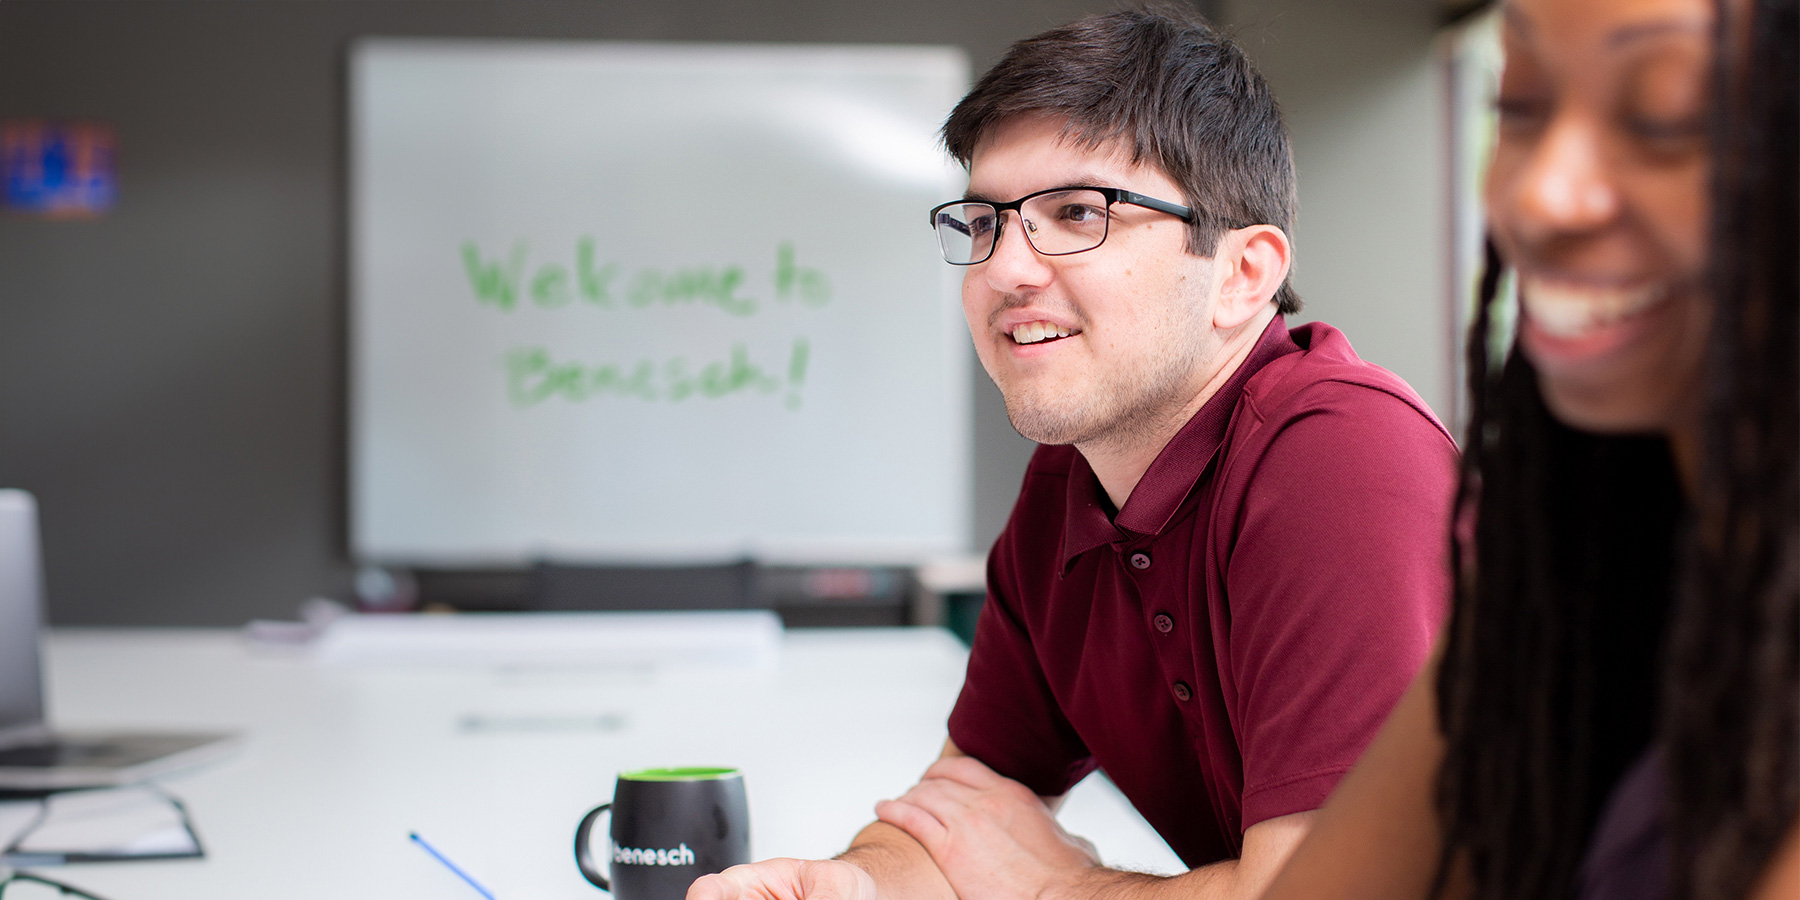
<point x="787" y="879"/>
<point x="991" y="836"/>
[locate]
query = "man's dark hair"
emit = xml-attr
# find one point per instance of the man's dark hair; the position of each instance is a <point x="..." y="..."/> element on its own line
<point x="1597" y="613"/>
<point x="1160" y="81"/>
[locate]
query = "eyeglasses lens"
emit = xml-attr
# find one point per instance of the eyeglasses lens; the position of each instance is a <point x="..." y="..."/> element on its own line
<point x="966" y="232"/>
<point x="1056" y="223"/>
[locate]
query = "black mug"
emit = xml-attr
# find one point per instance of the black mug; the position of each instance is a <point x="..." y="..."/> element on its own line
<point x="669" y="827"/>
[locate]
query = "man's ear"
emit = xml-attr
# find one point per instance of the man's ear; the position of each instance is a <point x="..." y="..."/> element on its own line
<point x="1254" y="262"/>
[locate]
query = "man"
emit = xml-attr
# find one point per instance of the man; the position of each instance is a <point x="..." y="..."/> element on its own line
<point x="1227" y="561"/>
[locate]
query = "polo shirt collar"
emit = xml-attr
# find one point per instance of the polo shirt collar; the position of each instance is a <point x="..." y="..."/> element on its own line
<point x="1174" y="472"/>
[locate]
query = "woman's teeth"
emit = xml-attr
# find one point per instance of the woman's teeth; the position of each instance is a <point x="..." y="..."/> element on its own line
<point x="1033" y="332"/>
<point x="1569" y="310"/>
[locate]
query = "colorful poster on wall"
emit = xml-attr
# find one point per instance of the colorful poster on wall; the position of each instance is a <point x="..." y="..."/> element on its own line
<point x="58" y="169"/>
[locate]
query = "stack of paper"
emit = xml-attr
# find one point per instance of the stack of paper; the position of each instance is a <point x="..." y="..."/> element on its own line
<point x="85" y="826"/>
<point x="735" y="638"/>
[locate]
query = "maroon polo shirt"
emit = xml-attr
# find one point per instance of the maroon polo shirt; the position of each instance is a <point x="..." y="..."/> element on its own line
<point x="1228" y="643"/>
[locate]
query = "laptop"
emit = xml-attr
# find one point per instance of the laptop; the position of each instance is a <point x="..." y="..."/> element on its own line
<point x="32" y="756"/>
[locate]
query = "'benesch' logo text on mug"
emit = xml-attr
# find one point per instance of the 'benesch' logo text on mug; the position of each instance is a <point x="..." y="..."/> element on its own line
<point x="680" y="856"/>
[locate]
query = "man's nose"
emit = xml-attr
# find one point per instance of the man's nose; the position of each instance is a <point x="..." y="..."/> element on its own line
<point x="1014" y="265"/>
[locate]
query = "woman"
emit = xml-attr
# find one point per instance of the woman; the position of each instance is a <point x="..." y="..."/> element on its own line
<point x="1613" y="713"/>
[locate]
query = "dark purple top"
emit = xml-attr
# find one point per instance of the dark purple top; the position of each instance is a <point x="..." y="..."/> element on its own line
<point x="1628" y="858"/>
<point x="1226" y="646"/>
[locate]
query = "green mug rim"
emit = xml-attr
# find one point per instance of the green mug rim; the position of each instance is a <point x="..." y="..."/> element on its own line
<point x="680" y="773"/>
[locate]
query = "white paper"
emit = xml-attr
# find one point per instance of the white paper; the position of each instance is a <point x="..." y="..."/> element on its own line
<point x="15" y="817"/>
<point x="121" y="822"/>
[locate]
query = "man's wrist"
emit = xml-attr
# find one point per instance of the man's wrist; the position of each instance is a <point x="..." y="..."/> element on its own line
<point x="899" y="867"/>
<point x="881" y="847"/>
<point x="865" y="857"/>
<point x="1098" y="882"/>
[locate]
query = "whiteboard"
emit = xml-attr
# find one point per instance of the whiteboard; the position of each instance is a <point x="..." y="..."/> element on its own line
<point x="652" y="302"/>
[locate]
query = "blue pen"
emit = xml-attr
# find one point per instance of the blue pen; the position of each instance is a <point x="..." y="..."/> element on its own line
<point x="450" y="865"/>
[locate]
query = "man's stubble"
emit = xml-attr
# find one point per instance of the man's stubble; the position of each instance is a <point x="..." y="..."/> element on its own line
<point x="1129" y="403"/>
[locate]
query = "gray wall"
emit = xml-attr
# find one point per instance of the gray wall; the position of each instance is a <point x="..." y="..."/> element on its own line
<point x="171" y="376"/>
<point x="1361" y="85"/>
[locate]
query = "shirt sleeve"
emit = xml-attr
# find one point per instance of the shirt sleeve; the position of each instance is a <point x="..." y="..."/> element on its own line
<point x="1337" y="584"/>
<point x="1006" y="715"/>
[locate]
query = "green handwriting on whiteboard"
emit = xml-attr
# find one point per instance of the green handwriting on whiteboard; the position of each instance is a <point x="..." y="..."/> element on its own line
<point x="533" y="377"/>
<point x="509" y="280"/>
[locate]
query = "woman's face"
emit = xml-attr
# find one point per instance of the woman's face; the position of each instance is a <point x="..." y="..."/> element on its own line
<point x="1598" y="197"/>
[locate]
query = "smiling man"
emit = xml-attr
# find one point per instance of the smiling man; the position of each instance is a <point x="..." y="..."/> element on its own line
<point x="1227" y="561"/>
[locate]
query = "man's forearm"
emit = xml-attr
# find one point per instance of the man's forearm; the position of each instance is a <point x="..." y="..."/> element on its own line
<point x="1218" y="881"/>
<point x="903" y="870"/>
<point x="1267" y="846"/>
<point x="901" y="867"/>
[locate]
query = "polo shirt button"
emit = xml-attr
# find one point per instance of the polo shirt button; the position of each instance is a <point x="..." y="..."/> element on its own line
<point x="1140" y="560"/>
<point x="1183" y="692"/>
<point x="1163" y="623"/>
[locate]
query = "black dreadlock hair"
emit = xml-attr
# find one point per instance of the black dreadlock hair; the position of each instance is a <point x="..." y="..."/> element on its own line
<point x="1731" y="728"/>
<point x="1596" y="611"/>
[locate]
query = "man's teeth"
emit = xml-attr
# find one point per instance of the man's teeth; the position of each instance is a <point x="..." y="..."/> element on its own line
<point x="1568" y="310"/>
<point x="1032" y="332"/>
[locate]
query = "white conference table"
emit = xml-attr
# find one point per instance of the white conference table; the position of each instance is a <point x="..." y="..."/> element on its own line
<point x="341" y="762"/>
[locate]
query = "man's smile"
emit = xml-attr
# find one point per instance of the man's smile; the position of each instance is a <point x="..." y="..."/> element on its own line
<point x="1039" y="332"/>
<point x="1030" y="326"/>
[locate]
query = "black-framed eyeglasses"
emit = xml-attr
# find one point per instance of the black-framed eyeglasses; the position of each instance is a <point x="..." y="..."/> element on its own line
<point x="18" y="884"/>
<point x="46" y="885"/>
<point x="1058" y="221"/>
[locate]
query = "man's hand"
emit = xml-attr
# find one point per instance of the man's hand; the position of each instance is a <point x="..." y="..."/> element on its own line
<point x="787" y="879"/>
<point x="991" y="836"/>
